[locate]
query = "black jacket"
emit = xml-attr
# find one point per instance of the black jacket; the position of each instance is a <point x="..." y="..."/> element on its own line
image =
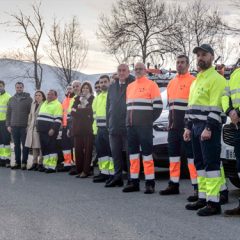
<point x="116" y="107"/>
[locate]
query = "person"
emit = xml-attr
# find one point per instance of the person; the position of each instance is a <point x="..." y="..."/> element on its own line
<point x="5" y="138"/>
<point x="204" y="125"/>
<point x="116" y="122"/>
<point x="144" y="106"/>
<point x="76" y="84"/>
<point x="105" y="162"/>
<point x="48" y="124"/>
<point x="66" y="144"/>
<point x="32" y="139"/>
<point x="81" y="129"/>
<point x="231" y="104"/>
<point x="177" y="94"/>
<point x="97" y="87"/>
<point x="17" y="119"/>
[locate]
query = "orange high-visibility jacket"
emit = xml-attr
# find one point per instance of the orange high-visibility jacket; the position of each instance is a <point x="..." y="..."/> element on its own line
<point x="144" y="103"/>
<point x="65" y="106"/>
<point x="178" y="92"/>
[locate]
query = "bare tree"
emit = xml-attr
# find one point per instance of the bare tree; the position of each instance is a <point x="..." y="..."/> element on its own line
<point x="32" y="29"/>
<point x="135" y="28"/>
<point x="68" y="49"/>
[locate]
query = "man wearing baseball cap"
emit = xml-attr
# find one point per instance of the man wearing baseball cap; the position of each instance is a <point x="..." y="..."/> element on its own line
<point x="203" y="125"/>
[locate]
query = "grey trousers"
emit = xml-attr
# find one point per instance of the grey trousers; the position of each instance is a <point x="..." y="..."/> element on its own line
<point x="118" y="145"/>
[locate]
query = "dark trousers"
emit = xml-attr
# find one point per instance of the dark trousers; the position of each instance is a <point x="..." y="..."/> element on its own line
<point x="19" y="138"/>
<point x="83" y="153"/>
<point x="237" y="149"/>
<point x="118" y="145"/>
<point x="48" y="144"/>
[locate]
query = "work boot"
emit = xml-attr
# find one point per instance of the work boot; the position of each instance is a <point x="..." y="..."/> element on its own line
<point x="149" y="189"/>
<point x="209" y="210"/>
<point x="40" y="168"/>
<point x="24" y="166"/>
<point x="8" y="163"/>
<point x="173" y="188"/>
<point x="114" y="183"/>
<point x="2" y="163"/>
<point x="100" y="178"/>
<point x="235" y="212"/>
<point x="50" y="171"/>
<point x="197" y="205"/>
<point x="131" y="188"/>
<point x="33" y="167"/>
<point x="224" y="197"/>
<point x="16" y="166"/>
<point x="194" y="197"/>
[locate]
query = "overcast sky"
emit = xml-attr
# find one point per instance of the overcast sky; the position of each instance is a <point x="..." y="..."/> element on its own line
<point x="87" y="12"/>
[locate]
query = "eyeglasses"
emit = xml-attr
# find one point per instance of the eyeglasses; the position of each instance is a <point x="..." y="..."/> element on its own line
<point x="97" y="87"/>
<point x="139" y="69"/>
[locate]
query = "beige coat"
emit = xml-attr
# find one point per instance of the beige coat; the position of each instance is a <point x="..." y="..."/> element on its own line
<point x="32" y="139"/>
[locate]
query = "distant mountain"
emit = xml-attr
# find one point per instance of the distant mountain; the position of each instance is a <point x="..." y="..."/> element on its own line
<point x="12" y="71"/>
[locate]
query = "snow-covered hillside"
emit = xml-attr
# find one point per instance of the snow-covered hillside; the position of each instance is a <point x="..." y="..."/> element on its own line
<point x="12" y="71"/>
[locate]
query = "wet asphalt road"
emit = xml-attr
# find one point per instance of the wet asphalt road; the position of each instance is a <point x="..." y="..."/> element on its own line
<point x="37" y="206"/>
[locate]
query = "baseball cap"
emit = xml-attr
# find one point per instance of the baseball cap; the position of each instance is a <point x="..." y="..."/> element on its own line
<point x="204" y="47"/>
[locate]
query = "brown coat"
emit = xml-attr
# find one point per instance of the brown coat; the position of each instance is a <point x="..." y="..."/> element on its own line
<point x="32" y="139"/>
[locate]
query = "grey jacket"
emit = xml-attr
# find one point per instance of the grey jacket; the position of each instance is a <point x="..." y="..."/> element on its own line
<point x="18" y="110"/>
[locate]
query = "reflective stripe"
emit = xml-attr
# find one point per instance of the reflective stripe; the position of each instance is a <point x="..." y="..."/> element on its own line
<point x="223" y="187"/>
<point x="178" y="100"/>
<point x="175" y="107"/>
<point x="237" y="90"/>
<point x="213" y="174"/>
<point x="215" y="116"/>
<point x="157" y="99"/>
<point x="149" y="176"/>
<point x="147" y="158"/>
<point x="102" y="159"/>
<point x="174" y="179"/>
<point x="134" y="156"/>
<point x="174" y="159"/>
<point x="157" y="105"/>
<point x="139" y="108"/>
<point x="194" y="181"/>
<point x="3" y="111"/>
<point x="197" y="116"/>
<point x="101" y="124"/>
<point x="205" y="108"/>
<point x="58" y="120"/>
<point x="202" y="195"/>
<point x="190" y="161"/>
<point x="213" y="198"/>
<point x="201" y="173"/>
<point x="45" y="119"/>
<point x="101" y="118"/>
<point x="104" y="172"/>
<point x="134" y="175"/>
<point x="141" y="100"/>
<point x="234" y="101"/>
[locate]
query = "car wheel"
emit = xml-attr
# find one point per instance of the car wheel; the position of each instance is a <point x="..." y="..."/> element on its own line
<point x="235" y="181"/>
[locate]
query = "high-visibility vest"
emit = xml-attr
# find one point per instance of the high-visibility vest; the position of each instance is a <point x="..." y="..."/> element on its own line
<point x="49" y="116"/>
<point x="205" y="99"/>
<point x="4" y="99"/>
<point x="231" y="96"/>
<point x="144" y="103"/>
<point x="177" y="93"/>
<point x="65" y="105"/>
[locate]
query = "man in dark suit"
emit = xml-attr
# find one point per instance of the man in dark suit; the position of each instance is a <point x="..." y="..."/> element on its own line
<point x="116" y="122"/>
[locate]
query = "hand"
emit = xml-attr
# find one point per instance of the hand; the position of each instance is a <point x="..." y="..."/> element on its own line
<point x="68" y="133"/>
<point x="187" y="135"/>
<point x="51" y="132"/>
<point x="234" y="117"/>
<point x="206" y="135"/>
<point x="9" y="129"/>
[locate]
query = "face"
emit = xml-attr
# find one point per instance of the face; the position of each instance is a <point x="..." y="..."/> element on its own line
<point x="104" y="84"/>
<point x="85" y="90"/>
<point x="51" y="96"/>
<point x="69" y="90"/>
<point x="76" y="88"/>
<point x="123" y="72"/>
<point x="182" y="65"/>
<point x="2" y="87"/>
<point x="140" y="70"/>
<point x="204" y="59"/>
<point x="19" y="88"/>
<point x="97" y="88"/>
<point x="38" y="97"/>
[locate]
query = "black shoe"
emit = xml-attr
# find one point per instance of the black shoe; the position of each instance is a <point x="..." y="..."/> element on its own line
<point x="194" y="197"/>
<point x="110" y="178"/>
<point x="131" y="188"/>
<point x="2" y="163"/>
<point x="196" y="206"/>
<point x="40" y="168"/>
<point x="33" y="167"/>
<point x="50" y="171"/>
<point x="224" y="197"/>
<point x="24" y="166"/>
<point x="73" y="171"/>
<point x="114" y="183"/>
<point x="235" y="212"/>
<point x="170" y="190"/>
<point x="8" y="163"/>
<point x="209" y="210"/>
<point x="149" y="189"/>
<point x="100" y="178"/>
<point x="16" y="166"/>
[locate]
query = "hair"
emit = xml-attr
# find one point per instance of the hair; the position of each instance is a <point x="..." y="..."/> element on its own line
<point x="76" y="81"/>
<point x="184" y="56"/>
<point x="2" y="82"/>
<point x="43" y="94"/>
<point x="97" y="82"/>
<point x="104" y="76"/>
<point x="89" y="86"/>
<point x="19" y="83"/>
<point x="55" y="92"/>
